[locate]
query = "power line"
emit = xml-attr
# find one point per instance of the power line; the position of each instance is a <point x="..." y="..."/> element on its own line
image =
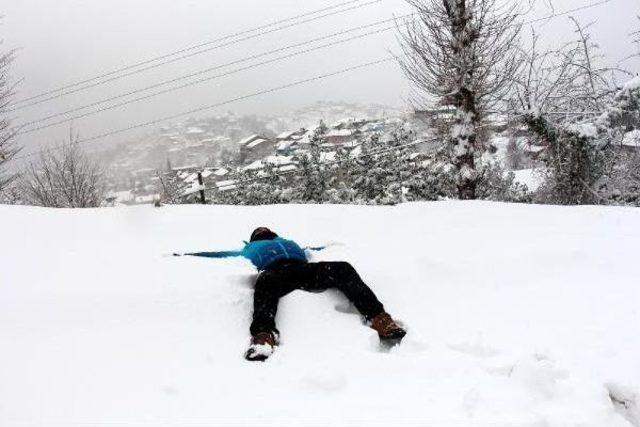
<point x="567" y="12"/>
<point x="216" y="47"/>
<point x="107" y="134"/>
<point x="187" y="49"/>
<point x="209" y="107"/>
<point x="73" y="88"/>
<point x="124" y="95"/>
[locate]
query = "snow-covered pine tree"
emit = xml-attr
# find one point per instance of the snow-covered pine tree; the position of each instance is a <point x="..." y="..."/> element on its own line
<point x="341" y="183"/>
<point x="314" y="175"/>
<point x="386" y="167"/>
<point x="266" y="187"/>
<point x="463" y="53"/>
<point x="620" y="124"/>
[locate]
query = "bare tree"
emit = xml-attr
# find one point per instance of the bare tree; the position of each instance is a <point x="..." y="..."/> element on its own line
<point x="63" y="178"/>
<point x="565" y="82"/>
<point x="573" y="106"/>
<point x="8" y="147"/>
<point x="462" y="53"/>
<point x="169" y="186"/>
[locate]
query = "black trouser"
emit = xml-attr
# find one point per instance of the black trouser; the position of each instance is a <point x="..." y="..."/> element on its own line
<point x="278" y="281"/>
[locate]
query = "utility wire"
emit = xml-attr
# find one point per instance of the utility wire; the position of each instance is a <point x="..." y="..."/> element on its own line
<point x="209" y="107"/>
<point x="284" y="87"/>
<point x="177" y="79"/>
<point x="91" y="83"/>
<point x="243" y="60"/>
<point x="216" y="47"/>
<point x="567" y="12"/>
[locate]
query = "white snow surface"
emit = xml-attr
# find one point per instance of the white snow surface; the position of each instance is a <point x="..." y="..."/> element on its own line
<point x="517" y="315"/>
<point x="632" y="138"/>
<point x="532" y="178"/>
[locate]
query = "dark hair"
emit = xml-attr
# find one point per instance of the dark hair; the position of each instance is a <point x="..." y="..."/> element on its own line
<point x="262" y="233"/>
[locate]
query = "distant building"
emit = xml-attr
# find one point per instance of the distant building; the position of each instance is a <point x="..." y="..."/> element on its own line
<point x="255" y="147"/>
<point x="341" y="136"/>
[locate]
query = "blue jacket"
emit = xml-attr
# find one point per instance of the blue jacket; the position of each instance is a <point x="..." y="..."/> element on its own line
<point x="263" y="253"/>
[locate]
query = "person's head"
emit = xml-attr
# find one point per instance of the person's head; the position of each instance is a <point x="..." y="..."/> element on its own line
<point x="262" y="233"/>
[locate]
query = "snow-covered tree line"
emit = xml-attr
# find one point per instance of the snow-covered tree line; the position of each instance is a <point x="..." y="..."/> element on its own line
<point x="385" y="169"/>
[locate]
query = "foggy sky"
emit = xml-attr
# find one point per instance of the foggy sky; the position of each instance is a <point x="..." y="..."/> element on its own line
<point x="63" y="41"/>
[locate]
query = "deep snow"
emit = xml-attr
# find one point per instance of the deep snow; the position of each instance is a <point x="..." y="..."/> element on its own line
<point x="517" y="315"/>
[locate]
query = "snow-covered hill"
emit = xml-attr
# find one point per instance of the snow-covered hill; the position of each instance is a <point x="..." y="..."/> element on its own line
<point x="517" y="316"/>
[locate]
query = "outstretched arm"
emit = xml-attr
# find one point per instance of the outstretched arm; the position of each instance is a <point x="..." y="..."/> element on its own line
<point x="220" y="254"/>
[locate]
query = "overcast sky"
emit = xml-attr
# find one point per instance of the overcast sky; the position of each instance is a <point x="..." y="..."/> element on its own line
<point x="64" y="41"/>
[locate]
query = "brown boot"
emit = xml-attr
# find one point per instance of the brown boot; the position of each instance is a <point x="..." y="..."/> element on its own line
<point x="261" y="347"/>
<point x="387" y="328"/>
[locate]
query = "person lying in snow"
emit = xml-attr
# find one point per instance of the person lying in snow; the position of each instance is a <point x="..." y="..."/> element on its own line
<point x="284" y="267"/>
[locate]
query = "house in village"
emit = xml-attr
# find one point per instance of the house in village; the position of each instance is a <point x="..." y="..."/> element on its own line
<point x="287" y="142"/>
<point x="255" y="147"/>
<point x="341" y="136"/>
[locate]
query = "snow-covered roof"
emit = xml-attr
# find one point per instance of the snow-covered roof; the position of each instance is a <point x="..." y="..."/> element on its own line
<point x="279" y="160"/>
<point x="258" y="164"/>
<point x="255" y="143"/>
<point x="285" y="145"/>
<point x="285" y="135"/>
<point x="194" y="131"/>
<point x="372" y="127"/>
<point x="221" y="184"/>
<point x="191" y="177"/>
<point x="249" y="139"/>
<point x="287" y="168"/>
<point x="272" y="160"/>
<point x="207" y="173"/>
<point x="221" y="172"/>
<point x="339" y="132"/>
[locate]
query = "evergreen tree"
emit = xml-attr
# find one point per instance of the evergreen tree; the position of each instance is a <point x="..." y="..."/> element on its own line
<point x="314" y="173"/>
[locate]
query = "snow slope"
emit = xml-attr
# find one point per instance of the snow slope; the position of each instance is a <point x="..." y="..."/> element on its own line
<point x="518" y="316"/>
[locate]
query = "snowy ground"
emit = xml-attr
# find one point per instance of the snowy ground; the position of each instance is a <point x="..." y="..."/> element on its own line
<point x="518" y="316"/>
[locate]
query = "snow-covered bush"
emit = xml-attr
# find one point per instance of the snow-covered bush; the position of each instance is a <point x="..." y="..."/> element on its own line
<point x="499" y="185"/>
<point x="574" y="163"/>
